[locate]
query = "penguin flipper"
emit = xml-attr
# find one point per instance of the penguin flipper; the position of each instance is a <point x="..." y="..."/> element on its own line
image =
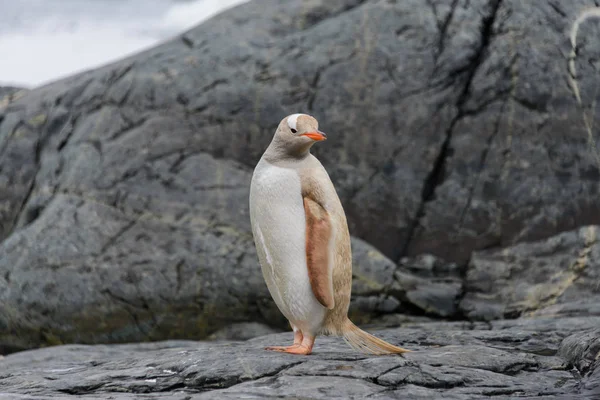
<point x="318" y="236"/>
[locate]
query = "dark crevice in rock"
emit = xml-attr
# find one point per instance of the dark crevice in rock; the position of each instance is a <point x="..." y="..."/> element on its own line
<point x="131" y="125"/>
<point x="187" y="42"/>
<point x="213" y="85"/>
<point x="81" y="389"/>
<point x="433" y="180"/>
<point x="121" y="99"/>
<point x="69" y="97"/>
<point x="503" y="392"/>
<point x="557" y="9"/>
<point x="119" y="73"/>
<point x="116" y="237"/>
<point x="436" y="175"/>
<point x="178" y="269"/>
<point x="395" y="367"/>
<point x="313" y="85"/>
<point x="394" y="128"/>
<point x="314" y="17"/>
<point x="69" y="124"/>
<point x="32" y="214"/>
<point x="129" y="307"/>
<point x="442" y="27"/>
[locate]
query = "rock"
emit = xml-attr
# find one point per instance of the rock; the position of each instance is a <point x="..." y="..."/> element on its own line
<point x="430" y="284"/>
<point x="558" y="277"/>
<point x="452" y="125"/>
<point x="582" y="350"/>
<point x="103" y="277"/>
<point x="242" y="331"/>
<point x="8" y="94"/>
<point x="424" y="285"/>
<point x="448" y="362"/>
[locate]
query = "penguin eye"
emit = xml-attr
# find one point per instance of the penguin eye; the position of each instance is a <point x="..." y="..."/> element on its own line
<point x="294" y="131"/>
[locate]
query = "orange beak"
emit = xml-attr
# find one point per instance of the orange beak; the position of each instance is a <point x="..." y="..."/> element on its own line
<point x="317" y="136"/>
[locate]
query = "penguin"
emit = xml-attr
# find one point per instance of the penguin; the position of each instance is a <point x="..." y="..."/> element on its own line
<point x="302" y="240"/>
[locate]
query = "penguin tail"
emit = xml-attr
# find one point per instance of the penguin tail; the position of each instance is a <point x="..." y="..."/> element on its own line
<point x="367" y="343"/>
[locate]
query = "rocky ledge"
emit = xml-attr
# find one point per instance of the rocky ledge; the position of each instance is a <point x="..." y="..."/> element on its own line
<point x="505" y="359"/>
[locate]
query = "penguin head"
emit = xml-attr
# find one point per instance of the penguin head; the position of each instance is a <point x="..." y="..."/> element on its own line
<point x="296" y="134"/>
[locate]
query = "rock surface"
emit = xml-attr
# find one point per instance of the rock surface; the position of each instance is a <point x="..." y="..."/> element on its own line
<point x="453" y="128"/>
<point x="450" y="360"/>
<point x="559" y="276"/>
<point x="8" y="94"/>
<point x="582" y="350"/>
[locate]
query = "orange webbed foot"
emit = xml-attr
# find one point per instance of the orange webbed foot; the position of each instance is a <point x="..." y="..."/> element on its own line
<point x="302" y="350"/>
<point x="303" y="345"/>
<point x="294" y="349"/>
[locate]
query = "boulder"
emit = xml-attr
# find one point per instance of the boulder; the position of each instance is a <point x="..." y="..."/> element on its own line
<point x="94" y="275"/>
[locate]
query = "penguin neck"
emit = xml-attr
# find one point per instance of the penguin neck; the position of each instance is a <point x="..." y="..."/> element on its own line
<point x="280" y="151"/>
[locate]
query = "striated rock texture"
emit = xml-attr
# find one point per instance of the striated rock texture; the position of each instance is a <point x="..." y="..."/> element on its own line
<point x="450" y="361"/>
<point x="557" y="277"/>
<point x="456" y="143"/>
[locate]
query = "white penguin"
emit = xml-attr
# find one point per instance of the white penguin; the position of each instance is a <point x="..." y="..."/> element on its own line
<point x="302" y="240"/>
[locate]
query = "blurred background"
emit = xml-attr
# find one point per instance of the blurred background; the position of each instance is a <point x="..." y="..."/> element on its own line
<point x="46" y="40"/>
<point x="463" y="143"/>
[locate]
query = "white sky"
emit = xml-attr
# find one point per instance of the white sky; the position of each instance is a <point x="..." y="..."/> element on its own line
<point x="43" y="40"/>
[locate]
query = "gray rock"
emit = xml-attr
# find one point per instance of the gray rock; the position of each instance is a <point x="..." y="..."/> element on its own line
<point x="242" y="331"/>
<point x="8" y="94"/>
<point x="431" y="285"/>
<point x="557" y="277"/>
<point x="448" y="362"/>
<point x="86" y="272"/>
<point x="582" y="350"/>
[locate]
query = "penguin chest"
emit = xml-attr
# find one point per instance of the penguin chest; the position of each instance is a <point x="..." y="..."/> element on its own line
<point x="279" y="227"/>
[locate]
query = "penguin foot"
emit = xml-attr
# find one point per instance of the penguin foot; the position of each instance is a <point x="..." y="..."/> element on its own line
<point x="294" y="349"/>
<point x="298" y="337"/>
<point x="304" y="347"/>
<point x="283" y="349"/>
<point x="301" y="349"/>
